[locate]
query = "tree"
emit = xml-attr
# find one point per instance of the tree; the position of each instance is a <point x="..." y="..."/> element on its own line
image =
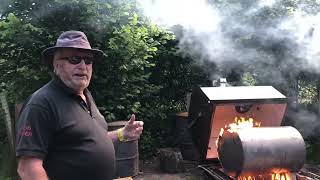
<point x="124" y="83"/>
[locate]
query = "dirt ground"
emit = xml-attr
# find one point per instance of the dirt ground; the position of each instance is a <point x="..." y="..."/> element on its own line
<point x="150" y="170"/>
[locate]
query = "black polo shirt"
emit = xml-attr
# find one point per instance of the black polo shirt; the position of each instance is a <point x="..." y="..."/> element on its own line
<point x="69" y="134"/>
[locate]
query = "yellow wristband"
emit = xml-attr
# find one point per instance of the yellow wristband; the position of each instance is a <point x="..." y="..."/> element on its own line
<point x="120" y="135"/>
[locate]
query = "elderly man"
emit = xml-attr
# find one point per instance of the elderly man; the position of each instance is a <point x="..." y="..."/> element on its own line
<point x="61" y="134"/>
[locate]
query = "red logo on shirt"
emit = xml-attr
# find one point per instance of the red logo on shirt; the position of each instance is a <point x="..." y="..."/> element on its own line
<point x="26" y="131"/>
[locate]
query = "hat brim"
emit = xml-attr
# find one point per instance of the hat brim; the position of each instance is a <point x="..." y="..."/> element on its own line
<point x="47" y="54"/>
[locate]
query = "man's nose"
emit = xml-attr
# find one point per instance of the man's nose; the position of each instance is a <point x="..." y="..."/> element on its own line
<point x="82" y="64"/>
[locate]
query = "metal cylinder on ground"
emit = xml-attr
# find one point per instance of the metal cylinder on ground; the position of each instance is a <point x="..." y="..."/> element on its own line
<point x="127" y="154"/>
<point x="261" y="150"/>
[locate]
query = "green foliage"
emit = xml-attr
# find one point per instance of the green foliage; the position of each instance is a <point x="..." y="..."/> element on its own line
<point x="313" y="149"/>
<point x="129" y="51"/>
<point x="146" y="145"/>
<point x="248" y="79"/>
<point x="129" y="54"/>
<point x="19" y="47"/>
<point x="141" y="73"/>
<point x="307" y="92"/>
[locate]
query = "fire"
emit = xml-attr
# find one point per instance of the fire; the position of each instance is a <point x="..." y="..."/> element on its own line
<point x="242" y="123"/>
<point x="274" y="176"/>
<point x="248" y="178"/>
<point x="281" y="176"/>
<point x="239" y="123"/>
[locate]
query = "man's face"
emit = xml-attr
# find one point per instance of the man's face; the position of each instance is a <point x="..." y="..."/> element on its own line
<point x="75" y="76"/>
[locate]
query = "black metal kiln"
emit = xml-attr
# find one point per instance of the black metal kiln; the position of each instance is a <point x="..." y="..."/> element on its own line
<point x="212" y="109"/>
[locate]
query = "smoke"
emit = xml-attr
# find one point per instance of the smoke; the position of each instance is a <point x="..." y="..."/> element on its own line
<point x="168" y="13"/>
<point x="247" y="36"/>
<point x="219" y="33"/>
<point x="307" y="123"/>
<point x="267" y="3"/>
<point x="304" y="29"/>
<point x="3" y="5"/>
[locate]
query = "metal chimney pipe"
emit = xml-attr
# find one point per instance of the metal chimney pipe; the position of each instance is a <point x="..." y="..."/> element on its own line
<point x="223" y="82"/>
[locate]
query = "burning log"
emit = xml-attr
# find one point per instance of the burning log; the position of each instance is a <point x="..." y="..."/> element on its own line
<point x="251" y="152"/>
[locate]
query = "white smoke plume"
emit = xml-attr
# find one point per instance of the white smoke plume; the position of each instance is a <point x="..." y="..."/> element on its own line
<point x="212" y="33"/>
<point x="305" y="29"/>
<point x="187" y="13"/>
<point x="307" y="123"/>
<point x="207" y="32"/>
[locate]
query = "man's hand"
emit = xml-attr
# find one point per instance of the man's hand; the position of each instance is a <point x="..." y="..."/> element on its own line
<point x="133" y="129"/>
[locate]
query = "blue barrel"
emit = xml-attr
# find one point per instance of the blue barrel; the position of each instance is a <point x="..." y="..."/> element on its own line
<point x="127" y="154"/>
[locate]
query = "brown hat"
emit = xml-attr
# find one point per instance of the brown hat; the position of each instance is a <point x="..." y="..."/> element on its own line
<point x="70" y="39"/>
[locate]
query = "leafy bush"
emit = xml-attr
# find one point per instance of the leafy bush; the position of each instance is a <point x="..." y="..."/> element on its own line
<point x="136" y="76"/>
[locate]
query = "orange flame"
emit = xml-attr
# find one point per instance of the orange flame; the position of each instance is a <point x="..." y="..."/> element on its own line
<point x="281" y="176"/>
<point x="247" y="178"/>
<point x="273" y="176"/>
<point x="239" y="123"/>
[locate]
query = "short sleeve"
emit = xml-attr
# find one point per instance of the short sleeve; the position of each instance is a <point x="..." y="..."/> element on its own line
<point x="34" y="131"/>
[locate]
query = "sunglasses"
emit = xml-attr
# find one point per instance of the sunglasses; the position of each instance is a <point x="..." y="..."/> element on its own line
<point x="77" y="59"/>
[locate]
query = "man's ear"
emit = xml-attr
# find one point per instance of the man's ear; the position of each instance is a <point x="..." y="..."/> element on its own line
<point x="55" y="66"/>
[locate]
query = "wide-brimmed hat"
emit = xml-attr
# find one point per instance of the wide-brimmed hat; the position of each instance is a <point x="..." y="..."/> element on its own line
<point x="70" y="39"/>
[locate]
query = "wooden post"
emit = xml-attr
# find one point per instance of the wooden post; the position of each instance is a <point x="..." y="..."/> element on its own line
<point x="318" y="95"/>
<point x="10" y="126"/>
<point x="8" y="122"/>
